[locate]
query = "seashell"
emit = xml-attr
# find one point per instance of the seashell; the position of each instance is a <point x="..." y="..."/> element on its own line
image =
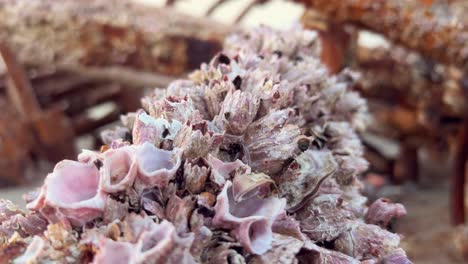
<point x="245" y="186"/>
<point x="198" y="140"/>
<point x="367" y="241"/>
<point x="111" y="252"/>
<point x="287" y="225"/>
<point x="118" y="133"/>
<point x="220" y="171"/>
<point x="269" y="151"/>
<point x="172" y="108"/>
<point x="237" y="111"/>
<point x="149" y="129"/>
<point x="382" y="211"/>
<point x="304" y="174"/>
<point x="213" y="97"/>
<point x="119" y="169"/>
<point x="178" y="211"/>
<point x="324" y="220"/>
<point x="78" y="205"/>
<point x="156" y="167"/>
<point x="162" y="244"/>
<point x="195" y="176"/>
<point x="33" y="251"/>
<point x="251" y="219"/>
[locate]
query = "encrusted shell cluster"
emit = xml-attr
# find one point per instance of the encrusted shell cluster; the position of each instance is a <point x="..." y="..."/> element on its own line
<point x="253" y="159"/>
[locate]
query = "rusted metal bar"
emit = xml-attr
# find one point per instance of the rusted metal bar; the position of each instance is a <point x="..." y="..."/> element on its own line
<point x="20" y="91"/>
<point x="437" y="33"/>
<point x="407" y="164"/>
<point x="458" y="202"/>
<point x="101" y="33"/>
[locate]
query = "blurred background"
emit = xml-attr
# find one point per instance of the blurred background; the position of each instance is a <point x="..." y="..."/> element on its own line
<point x="69" y="70"/>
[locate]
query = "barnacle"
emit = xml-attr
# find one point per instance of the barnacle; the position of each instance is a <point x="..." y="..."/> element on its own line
<point x="256" y="158"/>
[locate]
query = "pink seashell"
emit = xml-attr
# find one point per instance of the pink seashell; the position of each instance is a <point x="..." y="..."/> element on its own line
<point x="35" y="249"/>
<point x="245" y="186"/>
<point x="156" y="167"/>
<point x="115" y="252"/>
<point x="214" y="97"/>
<point x="251" y="219"/>
<point x="119" y="169"/>
<point x="367" y="241"/>
<point x="382" y="211"/>
<point x="220" y="170"/>
<point x="311" y="253"/>
<point x="162" y="244"/>
<point x="73" y="189"/>
<point x="173" y="108"/>
<point x="89" y="156"/>
<point x="110" y="135"/>
<point x="255" y="234"/>
<point x="197" y="140"/>
<point x="148" y="129"/>
<point x="237" y="112"/>
<point x="195" y="176"/>
<point x="288" y="225"/>
<point x="270" y="141"/>
<point x="137" y="224"/>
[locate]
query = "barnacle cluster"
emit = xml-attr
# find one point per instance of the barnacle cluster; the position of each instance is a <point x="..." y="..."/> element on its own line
<point x="254" y="158"/>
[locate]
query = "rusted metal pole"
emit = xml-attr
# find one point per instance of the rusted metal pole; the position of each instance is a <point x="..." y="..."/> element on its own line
<point x="20" y="91"/>
<point x="459" y="177"/>
<point x="442" y="36"/>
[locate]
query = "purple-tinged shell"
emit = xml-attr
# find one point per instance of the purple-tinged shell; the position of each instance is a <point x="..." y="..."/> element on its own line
<point x="197" y="140"/>
<point x="251" y="219"/>
<point x="162" y="244"/>
<point x="237" y="112"/>
<point x="156" y="167"/>
<point x="152" y="130"/>
<point x="77" y="205"/>
<point x="33" y="251"/>
<point x="195" y="176"/>
<point x="245" y="186"/>
<point x="366" y="241"/>
<point x="119" y="169"/>
<point x="382" y="211"/>
<point x="115" y="252"/>
<point x="272" y="145"/>
<point x="305" y="173"/>
<point x="220" y="170"/>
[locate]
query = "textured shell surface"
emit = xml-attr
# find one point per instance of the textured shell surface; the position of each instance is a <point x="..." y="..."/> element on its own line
<point x="254" y="159"/>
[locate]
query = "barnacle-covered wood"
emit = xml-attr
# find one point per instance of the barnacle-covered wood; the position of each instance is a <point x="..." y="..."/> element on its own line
<point x="439" y="32"/>
<point x="108" y="33"/>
